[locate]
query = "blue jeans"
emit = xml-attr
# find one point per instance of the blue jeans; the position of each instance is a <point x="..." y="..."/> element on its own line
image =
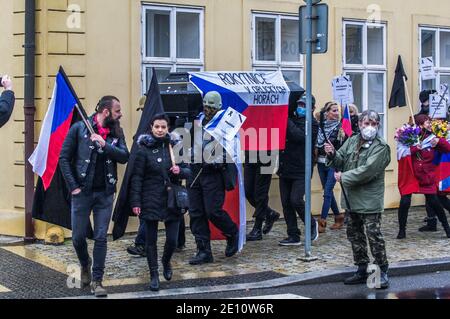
<point x="101" y="205"/>
<point x="328" y="181"/>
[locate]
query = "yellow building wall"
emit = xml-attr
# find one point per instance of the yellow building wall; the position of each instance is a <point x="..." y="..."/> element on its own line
<point x="103" y="56"/>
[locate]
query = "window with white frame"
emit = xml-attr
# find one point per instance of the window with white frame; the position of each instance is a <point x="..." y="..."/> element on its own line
<point x="364" y="60"/>
<point x="172" y="41"/>
<point x="275" y="45"/>
<point x="435" y="42"/>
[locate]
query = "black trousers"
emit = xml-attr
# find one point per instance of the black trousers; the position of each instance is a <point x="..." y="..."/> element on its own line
<point x="445" y="202"/>
<point x="292" y="192"/>
<point x="151" y="238"/>
<point x="433" y="206"/>
<point x="206" y="199"/>
<point x="257" y="188"/>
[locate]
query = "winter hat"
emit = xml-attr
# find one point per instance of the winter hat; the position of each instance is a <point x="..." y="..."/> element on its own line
<point x="425" y="95"/>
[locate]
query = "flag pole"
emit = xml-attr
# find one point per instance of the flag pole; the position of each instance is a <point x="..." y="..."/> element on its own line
<point x="409" y="99"/>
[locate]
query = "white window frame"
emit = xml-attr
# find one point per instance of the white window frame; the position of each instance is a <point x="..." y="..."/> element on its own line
<point x="277" y="64"/>
<point x="365" y="68"/>
<point x="441" y="71"/>
<point x="171" y="62"/>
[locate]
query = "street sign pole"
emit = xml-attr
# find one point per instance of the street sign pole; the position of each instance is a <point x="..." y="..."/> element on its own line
<point x="308" y="151"/>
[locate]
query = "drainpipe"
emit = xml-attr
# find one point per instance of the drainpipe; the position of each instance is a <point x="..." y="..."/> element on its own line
<point x="29" y="109"/>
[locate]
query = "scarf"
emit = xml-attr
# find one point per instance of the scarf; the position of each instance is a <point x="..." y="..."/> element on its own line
<point x="102" y="131"/>
<point x="329" y="131"/>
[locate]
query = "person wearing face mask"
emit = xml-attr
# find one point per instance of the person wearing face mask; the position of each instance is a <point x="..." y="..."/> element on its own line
<point x="91" y="176"/>
<point x="292" y="173"/>
<point x="361" y="164"/>
<point x="148" y="194"/>
<point x="212" y="176"/>
<point x="422" y="156"/>
<point x="329" y="131"/>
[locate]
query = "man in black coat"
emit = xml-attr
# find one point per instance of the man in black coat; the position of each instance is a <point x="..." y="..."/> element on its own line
<point x="292" y="173"/>
<point x="89" y="166"/>
<point x="7" y="100"/>
<point x="207" y="191"/>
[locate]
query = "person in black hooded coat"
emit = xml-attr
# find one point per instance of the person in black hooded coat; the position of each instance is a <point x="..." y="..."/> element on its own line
<point x="148" y="194"/>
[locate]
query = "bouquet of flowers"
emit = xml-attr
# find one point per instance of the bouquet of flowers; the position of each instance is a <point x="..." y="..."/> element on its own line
<point x="407" y="135"/>
<point x="439" y="128"/>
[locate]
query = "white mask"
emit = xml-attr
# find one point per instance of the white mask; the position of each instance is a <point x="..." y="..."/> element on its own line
<point x="369" y="133"/>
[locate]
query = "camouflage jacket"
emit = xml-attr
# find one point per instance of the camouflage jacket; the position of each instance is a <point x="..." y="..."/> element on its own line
<point x="362" y="166"/>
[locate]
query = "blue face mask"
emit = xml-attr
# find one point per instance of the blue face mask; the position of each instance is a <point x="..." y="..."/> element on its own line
<point x="301" y="111"/>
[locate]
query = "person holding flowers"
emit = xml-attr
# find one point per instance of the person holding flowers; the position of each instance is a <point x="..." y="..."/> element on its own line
<point x="422" y="156"/>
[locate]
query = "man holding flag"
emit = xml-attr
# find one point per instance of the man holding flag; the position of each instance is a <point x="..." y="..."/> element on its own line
<point x="213" y="176"/>
<point x="88" y="162"/>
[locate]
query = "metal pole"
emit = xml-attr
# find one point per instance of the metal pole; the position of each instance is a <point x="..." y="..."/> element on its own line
<point x="29" y="109"/>
<point x="308" y="150"/>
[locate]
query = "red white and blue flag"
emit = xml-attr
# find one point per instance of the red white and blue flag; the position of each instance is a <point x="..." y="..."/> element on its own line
<point x="444" y="173"/>
<point x="224" y="128"/>
<point x="263" y="97"/>
<point x="54" y="129"/>
<point x="346" y="122"/>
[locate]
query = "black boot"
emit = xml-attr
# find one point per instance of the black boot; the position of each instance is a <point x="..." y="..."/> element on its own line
<point x="359" y="277"/>
<point x="204" y="254"/>
<point x="232" y="245"/>
<point x="401" y="233"/>
<point x="430" y="226"/>
<point x="167" y="267"/>
<point x="384" y="279"/>
<point x="256" y="233"/>
<point x="271" y="218"/>
<point x="447" y="230"/>
<point x="152" y="260"/>
<point x="154" y="279"/>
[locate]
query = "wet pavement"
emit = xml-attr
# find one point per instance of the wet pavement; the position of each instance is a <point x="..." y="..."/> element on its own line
<point x="41" y="270"/>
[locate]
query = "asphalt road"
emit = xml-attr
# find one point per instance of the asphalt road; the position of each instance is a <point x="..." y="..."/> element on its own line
<point x="434" y="285"/>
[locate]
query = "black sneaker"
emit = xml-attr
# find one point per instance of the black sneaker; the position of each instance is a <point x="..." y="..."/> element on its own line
<point x="270" y="220"/>
<point x="137" y="250"/>
<point x="232" y="245"/>
<point x="290" y="241"/>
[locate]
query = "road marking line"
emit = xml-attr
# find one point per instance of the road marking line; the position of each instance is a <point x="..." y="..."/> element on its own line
<point x="280" y="296"/>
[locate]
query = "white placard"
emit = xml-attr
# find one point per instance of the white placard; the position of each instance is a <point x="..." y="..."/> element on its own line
<point x="445" y="91"/>
<point x="438" y="107"/>
<point x="427" y="71"/>
<point x="342" y="90"/>
<point x="229" y="125"/>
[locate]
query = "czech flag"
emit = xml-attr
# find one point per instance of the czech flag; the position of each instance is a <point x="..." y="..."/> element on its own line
<point x="54" y="130"/>
<point x="346" y="122"/>
<point x="407" y="182"/>
<point x="263" y="97"/>
<point x="444" y="173"/>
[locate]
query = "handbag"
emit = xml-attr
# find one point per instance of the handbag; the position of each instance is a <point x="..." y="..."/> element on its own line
<point x="177" y="195"/>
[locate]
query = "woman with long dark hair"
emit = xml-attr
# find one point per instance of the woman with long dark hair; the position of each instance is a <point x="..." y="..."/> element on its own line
<point x="148" y="195"/>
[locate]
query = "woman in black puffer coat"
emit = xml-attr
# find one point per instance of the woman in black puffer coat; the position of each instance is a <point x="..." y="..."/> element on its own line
<point x="148" y="194"/>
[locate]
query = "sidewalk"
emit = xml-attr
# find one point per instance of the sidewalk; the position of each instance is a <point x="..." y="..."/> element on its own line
<point x="259" y="261"/>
